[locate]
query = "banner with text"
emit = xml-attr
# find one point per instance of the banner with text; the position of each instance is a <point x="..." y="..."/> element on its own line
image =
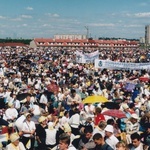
<point x="86" y="57"/>
<point x="121" y="65"/>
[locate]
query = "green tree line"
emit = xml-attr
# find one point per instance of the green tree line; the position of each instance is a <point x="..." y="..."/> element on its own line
<point x="9" y="40"/>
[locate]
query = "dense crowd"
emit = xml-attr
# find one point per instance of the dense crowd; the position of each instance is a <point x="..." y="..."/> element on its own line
<point x="41" y="100"/>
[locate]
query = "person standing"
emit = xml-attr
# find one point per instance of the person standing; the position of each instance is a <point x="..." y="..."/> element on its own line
<point x="41" y="133"/>
<point x="28" y="130"/>
<point x="136" y="142"/>
<point x="64" y="142"/>
<point x="111" y="140"/>
<point x="98" y="117"/>
<point x="100" y="142"/>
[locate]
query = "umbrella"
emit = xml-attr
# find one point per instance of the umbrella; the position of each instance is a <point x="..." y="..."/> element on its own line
<point x="22" y="96"/>
<point x="118" y="100"/>
<point x="111" y="105"/>
<point x="95" y="99"/>
<point x="144" y="79"/>
<point x="53" y="87"/>
<point x="115" y="113"/>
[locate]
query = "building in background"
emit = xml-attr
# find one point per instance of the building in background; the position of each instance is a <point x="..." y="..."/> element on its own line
<point x="70" y="36"/>
<point x="147" y="34"/>
<point x="84" y="43"/>
<point x="142" y="40"/>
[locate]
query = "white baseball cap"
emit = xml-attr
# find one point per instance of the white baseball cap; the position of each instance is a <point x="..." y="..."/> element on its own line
<point x="109" y="128"/>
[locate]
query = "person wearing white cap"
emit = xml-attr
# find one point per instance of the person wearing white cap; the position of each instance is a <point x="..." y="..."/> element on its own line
<point x="132" y="126"/>
<point x="111" y="140"/>
<point x="15" y="143"/>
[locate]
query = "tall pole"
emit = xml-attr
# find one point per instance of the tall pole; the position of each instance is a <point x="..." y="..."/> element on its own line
<point x="87" y="30"/>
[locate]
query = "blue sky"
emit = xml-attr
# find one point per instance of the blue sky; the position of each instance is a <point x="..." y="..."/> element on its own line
<point x="45" y="18"/>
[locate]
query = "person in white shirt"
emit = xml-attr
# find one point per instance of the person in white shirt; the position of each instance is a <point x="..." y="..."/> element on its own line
<point x="136" y="142"/>
<point x="28" y="130"/>
<point x="15" y="143"/>
<point x="73" y="98"/>
<point x="111" y="140"/>
<point x="64" y="119"/>
<point x="100" y="128"/>
<point x="11" y="113"/>
<point x="51" y="133"/>
<point x="132" y="126"/>
<point x="74" y="122"/>
<point x="89" y="109"/>
<point x="44" y="100"/>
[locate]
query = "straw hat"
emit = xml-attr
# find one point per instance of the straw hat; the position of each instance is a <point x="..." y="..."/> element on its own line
<point x="41" y="119"/>
<point x="10" y="104"/>
<point x="27" y="114"/>
<point x="14" y="137"/>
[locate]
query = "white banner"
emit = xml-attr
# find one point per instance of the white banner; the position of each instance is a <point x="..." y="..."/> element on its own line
<point x="121" y="65"/>
<point x="87" y="57"/>
<point x="79" y="57"/>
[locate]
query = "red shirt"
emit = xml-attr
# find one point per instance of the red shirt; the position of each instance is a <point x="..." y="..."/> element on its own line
<point x="98" y="118"/>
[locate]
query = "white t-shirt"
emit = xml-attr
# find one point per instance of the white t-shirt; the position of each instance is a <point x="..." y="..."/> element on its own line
<point x="13" y="147"/>
<point x="28" y="126"/>
<point x="50" y="136"/>
<point x="112" y="141"/>
<point x="11" y="113"/>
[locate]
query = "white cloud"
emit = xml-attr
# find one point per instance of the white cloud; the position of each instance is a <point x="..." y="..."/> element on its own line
<point x="16" y="19"/>
<point x="143" y="4"/>
<point x="55" y="15"/>
<point x="2" y="17"/>
<point x="26" y="16"/>
<point x="142" y="15"/>
<point x="46" y="25"/>
<point x="132" y="26"/>
<point x="24" y="25"/>
<point x="52" y="15"/>
<point x="102" y="25"/>
<point x="29" y="8"/>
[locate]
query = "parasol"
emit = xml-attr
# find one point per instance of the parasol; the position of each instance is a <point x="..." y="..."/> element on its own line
<point x="115" y="113"/>
<point x="95" y="99"/>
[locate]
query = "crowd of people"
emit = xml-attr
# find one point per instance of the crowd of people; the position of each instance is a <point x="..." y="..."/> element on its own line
<point x="41" y="100"/>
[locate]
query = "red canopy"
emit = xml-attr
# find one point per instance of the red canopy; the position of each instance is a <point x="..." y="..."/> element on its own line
<point x="114" y="113"/>
<point x="144" y="79"/>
